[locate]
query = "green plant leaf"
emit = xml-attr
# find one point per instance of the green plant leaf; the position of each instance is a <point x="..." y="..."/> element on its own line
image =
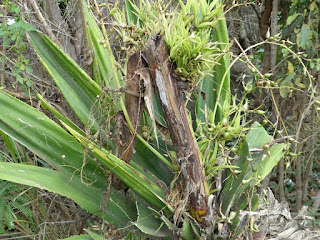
<point x="292" y="17"/>
<point x="102" y="56"/>
<point x="304" y="37"/>
<point x="222" y="70"/>
<point x="58" y="115"/>
<point x="298" y="82"/>
<point x="131" y="16"/>
<point x="264" y="164"/>
<point x="65" y="154"/>
<point x="148" y="189"/>
<point x="206" y="97"/>
<point x="44" y="137"/>
<point x="11" y="145"/>
<point x="255" y="202"/>
<point x="120" y="210"/>
<point x="216" y="89"/>
<point x="80" y="91"/>
<point x="286" y="84"/>
<point x="94" y="235"/>
<point x="257" y="136"/>
<point x="254" y="167"/>
<point x="150" y="225"/>
<point x="144" y="158"/>
<point x="188" y="232"/>
<point x="233" y="188"/>
<point x="79" y="237"/>
<point x="50" y="180"/>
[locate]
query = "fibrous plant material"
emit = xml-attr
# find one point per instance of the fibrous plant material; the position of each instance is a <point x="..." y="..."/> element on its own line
<point x="174" y="111"/>
<point x="133" y="102"/>
<point x="182" y="50"/>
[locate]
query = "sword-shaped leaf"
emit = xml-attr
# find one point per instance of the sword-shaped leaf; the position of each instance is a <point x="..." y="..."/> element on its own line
<point x="80" y="91"/>
<point x="146" y="188"/>
<point x="81" y="181"/>
<point x="120" y="210"/>
<point x="103" y="57"/>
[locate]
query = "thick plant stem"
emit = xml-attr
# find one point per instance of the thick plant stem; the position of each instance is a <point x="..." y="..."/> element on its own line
<point x="124" y="136"/>
<point x="264" y="26"/>
<point x="133" y="105"/>
<point x="182" y="136"/>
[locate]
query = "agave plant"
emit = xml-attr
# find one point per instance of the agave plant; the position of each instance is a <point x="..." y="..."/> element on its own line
<point x="166" y="182"/>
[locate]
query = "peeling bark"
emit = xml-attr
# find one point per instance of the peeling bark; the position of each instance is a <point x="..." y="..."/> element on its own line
<point x="124" y="136"/>
<point x="155" y="65"/>
<point x="133" y="105"/>
<point x="174" y="111"/>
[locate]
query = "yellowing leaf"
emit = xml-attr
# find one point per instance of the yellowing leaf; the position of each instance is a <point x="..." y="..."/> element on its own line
<point x="286" y="84"/>
<point x="298" y="82"/>
<point x="284" y="92"/>
<point x="312" y="6"/>
<point x="279" y="80"/>
<point x="290" y="67"/>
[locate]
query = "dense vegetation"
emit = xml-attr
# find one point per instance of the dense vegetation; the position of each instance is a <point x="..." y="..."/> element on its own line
<point x="158" y="119"/>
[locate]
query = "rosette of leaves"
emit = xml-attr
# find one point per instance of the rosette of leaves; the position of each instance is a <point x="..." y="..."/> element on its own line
<point x="187" y="31"/>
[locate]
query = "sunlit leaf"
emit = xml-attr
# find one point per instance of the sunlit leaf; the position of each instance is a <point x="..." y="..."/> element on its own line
<point x="290" y="67"/>
<point x="253" y="166"/>
<point x="257" y="136"/>
<point x="285" y="85"/>
<point x="119" y="211"/>
<point x="103" y="58"/>
<point x="62" y="152"/>
<point x="80" y="91"/>
<point x="146" y="188"/>
<point x="292" y="17"/>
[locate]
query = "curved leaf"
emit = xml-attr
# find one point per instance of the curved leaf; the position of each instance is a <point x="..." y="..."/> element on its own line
<point x="80" y="91"/>
<point x="120" y="210"/>
<point x="101" y="54"/>
<point x="150" y="225"/>
<point x="47" y="139"/>
<point x="217" y="88"/>
<point x="144" y="187"/>
<point x="64" y="153"/>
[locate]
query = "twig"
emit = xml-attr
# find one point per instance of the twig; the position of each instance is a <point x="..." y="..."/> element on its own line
<point x="125" y="90"/>
<point x="66" y="222"/>
<point x="43" y="21"/>
<point x="4" y="50"/>
<point x="256" y="11"/>
<point x="243" y="52"/>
